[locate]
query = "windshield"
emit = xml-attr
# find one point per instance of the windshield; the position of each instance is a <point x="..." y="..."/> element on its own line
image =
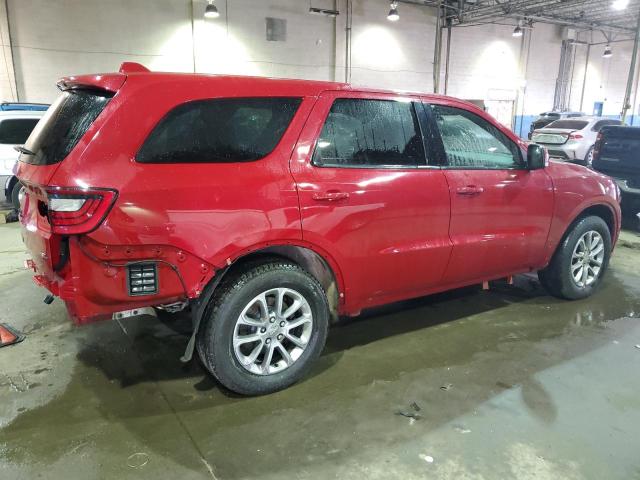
<point x="568" y="124"/>
<point x="63" y="126"/>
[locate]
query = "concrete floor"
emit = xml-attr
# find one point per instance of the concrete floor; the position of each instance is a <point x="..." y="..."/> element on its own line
<point x="510" y="383"/>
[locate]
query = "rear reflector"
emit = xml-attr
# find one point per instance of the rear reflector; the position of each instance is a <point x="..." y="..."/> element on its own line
<point x="142" y="279"/>
<point x="73" y="211"/>
<point x="575" y="136"/>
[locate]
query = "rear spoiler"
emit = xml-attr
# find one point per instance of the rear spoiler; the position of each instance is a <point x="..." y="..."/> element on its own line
<point x="110" y="82"/>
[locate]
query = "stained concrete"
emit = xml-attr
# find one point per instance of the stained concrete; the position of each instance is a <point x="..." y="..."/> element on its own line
<point x="509" y="383"/>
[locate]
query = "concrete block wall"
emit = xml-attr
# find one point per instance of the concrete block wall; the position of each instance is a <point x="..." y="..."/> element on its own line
<point x="52" y="38"/>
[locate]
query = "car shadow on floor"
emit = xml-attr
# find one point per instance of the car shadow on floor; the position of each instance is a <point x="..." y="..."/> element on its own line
<point x="157" y="344"/>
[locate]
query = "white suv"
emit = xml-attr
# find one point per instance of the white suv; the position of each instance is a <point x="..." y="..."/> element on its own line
<point x="16" y="123"/>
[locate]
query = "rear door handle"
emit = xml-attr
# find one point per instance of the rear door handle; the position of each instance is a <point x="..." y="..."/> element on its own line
<point x="330" y="196"/>
<point x="470" y="190"/>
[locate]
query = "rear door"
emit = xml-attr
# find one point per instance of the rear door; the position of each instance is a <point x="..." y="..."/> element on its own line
<point x="370" y="199"/>
<point x="500" y="211"/>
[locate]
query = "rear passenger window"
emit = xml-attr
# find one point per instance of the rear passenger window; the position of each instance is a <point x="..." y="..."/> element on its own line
<point x="219" y="131"/>
<point x="16" y="131"/>
<point x="370" y="133"/>
<point x="472" y="142"/>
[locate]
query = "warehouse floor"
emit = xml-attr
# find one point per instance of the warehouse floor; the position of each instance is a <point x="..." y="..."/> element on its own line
<point x="509" y="383"/>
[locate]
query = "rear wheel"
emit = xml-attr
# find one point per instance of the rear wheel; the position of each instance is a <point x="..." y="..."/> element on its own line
<point x="580" y="262"/>
<point x="14" y="196"/>
<point x="588" y="159"/>
<point x="266" y="326"/>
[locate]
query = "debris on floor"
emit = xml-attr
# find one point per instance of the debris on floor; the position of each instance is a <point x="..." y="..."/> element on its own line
<point x="138" y="460"/>
<point x="461" y="429"/>
<point x="446" y="387"/>
<point x="426" y="458"/>
<point x="413" y="415"/>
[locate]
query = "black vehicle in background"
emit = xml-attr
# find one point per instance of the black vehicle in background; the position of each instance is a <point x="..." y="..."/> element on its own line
<point x="547" y="117"/>
<point x="617" y="154"/>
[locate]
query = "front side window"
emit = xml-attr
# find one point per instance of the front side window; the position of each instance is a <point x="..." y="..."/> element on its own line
<point x="16" y="131"/>
<point x="472" y="142"/>
<point x="220" y="130"/>
<point x="370" y="133"/>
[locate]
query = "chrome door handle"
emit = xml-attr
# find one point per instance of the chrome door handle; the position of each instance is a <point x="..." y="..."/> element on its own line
<point x="470" y="190"/>
<point x="330" y="196"/>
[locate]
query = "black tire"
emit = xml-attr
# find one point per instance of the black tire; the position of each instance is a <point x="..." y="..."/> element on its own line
<point x="557" y="278"/>
<point x="588" y="159"/>
<point x="15" y="195"/>
<point x="215" y="337"/>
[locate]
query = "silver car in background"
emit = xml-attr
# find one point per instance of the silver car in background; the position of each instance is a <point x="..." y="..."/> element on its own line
<point x="572" y="139"/>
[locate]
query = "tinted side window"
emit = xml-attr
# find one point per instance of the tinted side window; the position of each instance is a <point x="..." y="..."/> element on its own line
<point x="16" y="131"/>
<point x="219" y="131"/>
<point x="370" y="133"/>
<point x="604" y="123"/>
<point x="472" y="142"/>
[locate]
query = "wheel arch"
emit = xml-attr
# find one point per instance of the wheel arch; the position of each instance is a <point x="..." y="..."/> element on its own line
<point x="601" y="210"/>
<point x="310" y="260"/>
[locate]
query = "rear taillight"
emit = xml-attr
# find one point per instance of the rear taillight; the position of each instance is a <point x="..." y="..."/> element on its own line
<point x="575" y="136"/>
<point x="598" y="146"/>
<point x="73" y="211"/>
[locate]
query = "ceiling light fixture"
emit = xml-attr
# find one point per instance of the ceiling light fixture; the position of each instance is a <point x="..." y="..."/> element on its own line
<point x="518" y="32"/>
<point x="620" y="4"/>
<point x="211" y="11"/>
<point x="608" y="52"/>
<point x="393" y="12"/>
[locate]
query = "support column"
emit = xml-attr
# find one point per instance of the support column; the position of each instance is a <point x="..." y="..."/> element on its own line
<point x="8" y="85"/>
<point x="437" y="51"/>
<point x="626" y="104"/>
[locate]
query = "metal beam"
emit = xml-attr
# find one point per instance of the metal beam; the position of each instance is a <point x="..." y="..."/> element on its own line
<point x="626" y="104"/>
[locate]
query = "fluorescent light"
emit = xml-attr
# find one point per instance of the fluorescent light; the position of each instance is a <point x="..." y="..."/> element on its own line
<point x="620" y="4"/>
<point x="211" y="11"/>
<point x="393" y="13"/>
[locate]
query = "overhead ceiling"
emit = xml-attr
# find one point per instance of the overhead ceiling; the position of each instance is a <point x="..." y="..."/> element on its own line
<point x="581" y="14"/>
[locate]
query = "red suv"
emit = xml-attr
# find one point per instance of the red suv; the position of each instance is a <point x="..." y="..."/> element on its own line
<point x="269" y="207"/>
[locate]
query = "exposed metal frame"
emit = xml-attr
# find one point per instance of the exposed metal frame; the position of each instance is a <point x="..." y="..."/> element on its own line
<point x="579" y="14"/>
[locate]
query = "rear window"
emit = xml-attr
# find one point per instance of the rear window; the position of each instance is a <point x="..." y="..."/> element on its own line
<point x="15" y="131"/>
<point x="568" y="124"/>
<point x="219" y="131"/>
<point x="64" y="124"/>
<point x="550" y="115"/>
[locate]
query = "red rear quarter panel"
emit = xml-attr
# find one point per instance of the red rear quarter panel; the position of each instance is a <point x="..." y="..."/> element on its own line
<point x="576" y="189"/>
<point x="215" y="211"/>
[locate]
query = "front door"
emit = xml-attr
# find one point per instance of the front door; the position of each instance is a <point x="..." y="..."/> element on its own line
<point x="368" y="197"/>
<point x="500" y="211"/>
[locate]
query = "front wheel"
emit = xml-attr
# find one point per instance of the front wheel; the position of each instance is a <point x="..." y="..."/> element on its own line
<point x="579" y="263"/>
<point x="266" y="326"/>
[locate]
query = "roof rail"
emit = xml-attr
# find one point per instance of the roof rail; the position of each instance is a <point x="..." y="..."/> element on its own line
<point x="8" y="106"/>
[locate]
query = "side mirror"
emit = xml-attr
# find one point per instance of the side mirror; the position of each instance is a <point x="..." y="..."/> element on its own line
<point x="537" y="157"/>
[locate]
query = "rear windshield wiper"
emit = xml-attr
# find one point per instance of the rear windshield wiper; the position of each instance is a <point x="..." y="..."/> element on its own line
<point x="26" y="151"/>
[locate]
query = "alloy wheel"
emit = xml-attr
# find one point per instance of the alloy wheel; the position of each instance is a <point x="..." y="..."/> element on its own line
<point x="272" y="331"/>
<point x="587" y="259"/>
